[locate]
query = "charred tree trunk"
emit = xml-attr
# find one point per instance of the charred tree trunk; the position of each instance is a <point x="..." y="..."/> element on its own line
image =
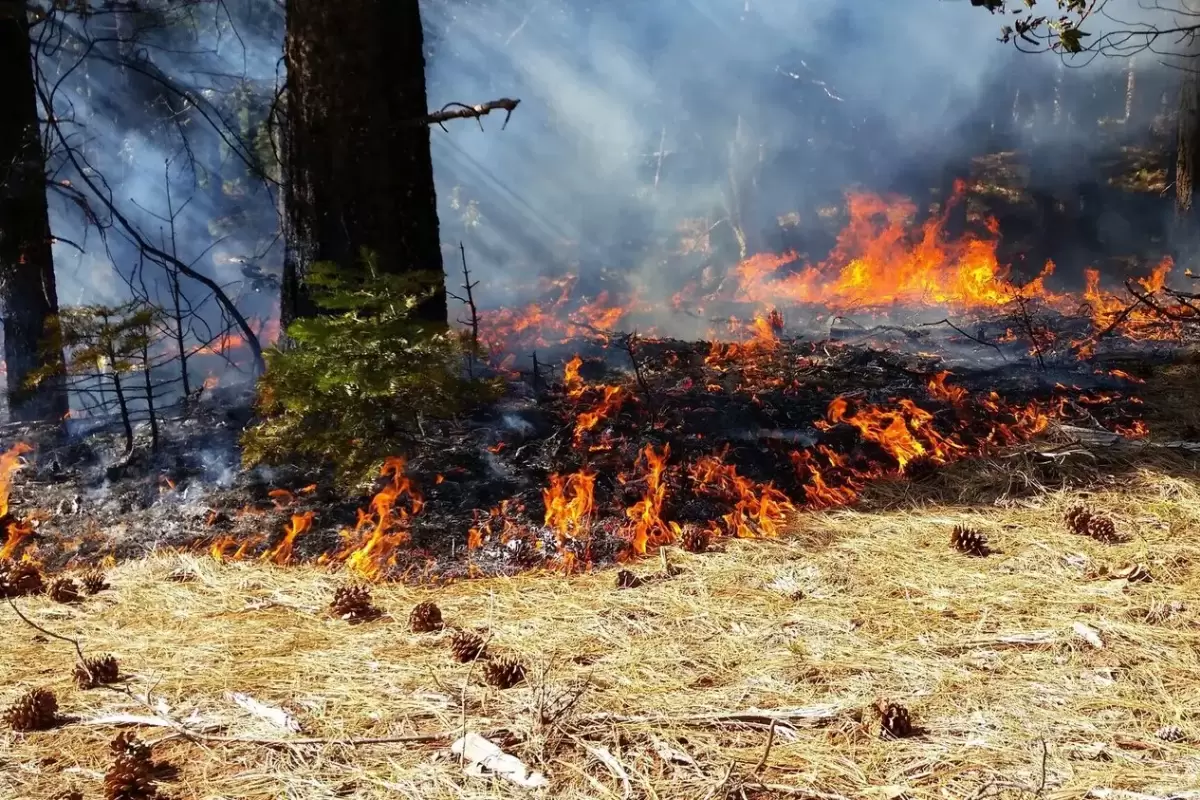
<point x="358" y="171"/>
<point x="27" y="290"/>
<point x="1188" y="150"/>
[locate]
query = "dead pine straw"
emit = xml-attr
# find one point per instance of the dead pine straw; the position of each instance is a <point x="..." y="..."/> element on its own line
<point x="754" y="670"/>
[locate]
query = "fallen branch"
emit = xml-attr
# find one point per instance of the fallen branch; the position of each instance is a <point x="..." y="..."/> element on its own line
<point x="975" y="339"/>
<point x="1124" y="315"/>
<point x="463" y="111"/>
<point x="790" y="717"/>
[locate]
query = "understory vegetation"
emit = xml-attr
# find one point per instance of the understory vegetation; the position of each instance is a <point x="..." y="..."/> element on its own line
<point x="352" y="384"/>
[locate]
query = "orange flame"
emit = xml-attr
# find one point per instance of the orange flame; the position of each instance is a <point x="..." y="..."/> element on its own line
<point x="370" y="548"/>
<point x="282" y="552"/>
<point x="10" y="462"/>
<point x="649" y="530"/>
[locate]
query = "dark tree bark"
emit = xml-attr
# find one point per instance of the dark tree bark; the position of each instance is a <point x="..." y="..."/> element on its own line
<point x="27" y="290"/>
<point x="358" y="171"/>
<point x="1188" y="151"/>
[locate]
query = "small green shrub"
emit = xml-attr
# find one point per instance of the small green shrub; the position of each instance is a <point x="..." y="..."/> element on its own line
<point x="353" y="383"/>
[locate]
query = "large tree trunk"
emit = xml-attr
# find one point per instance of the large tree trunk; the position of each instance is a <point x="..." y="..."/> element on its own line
<point x="358" y="171"/>
<point x="27" y="291"/>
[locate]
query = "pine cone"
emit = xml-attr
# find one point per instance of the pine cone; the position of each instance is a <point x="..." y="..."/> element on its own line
<point x="969" y="541"/>
<point x="1077" y="519"/>
<point x="94" y="582"/>
<point x="627" y="580"/>
<point x="467" y="646"/>
<point x="353" y="603"/>
<point x="425" y="618"/>
<point x="97" y="671"/>
<point x="36" y="710"/>
<point x="131" y="776"/>
<point x="18" y="579"/>
<point x="64" y="590"/>
<point x="70" y="794"/>
<point x="504" y="673"/>
<point x="694" y="539"/>
<point x="895" y="721"/>
<point x="127" y="743"/>
<point x="1102" y="529"/>
<point x="1171" y="733"/>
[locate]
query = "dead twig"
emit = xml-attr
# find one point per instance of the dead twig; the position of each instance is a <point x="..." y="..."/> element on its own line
<point x="628" y="343"/>
<point x="83" y="662"/>
<point x="976" y="339"/>
<point x="469" y="301"/>
<point x="789" y="717"/>
<point x="463" y="111"/>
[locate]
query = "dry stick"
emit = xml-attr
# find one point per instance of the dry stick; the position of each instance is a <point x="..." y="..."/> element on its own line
<point x="1027" y="320"/>
<point x="1124" y="315"/>
<point x="463" y="111"/>
<point x="976" y="339"/>
<point x="83" y="663"/>
<point x="1155" y="306"/>
<point x="469" y="302"/>
<point x="626" y="343"/>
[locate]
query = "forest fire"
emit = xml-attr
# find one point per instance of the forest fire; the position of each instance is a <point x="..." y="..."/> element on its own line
<point x="881" y="266"/>
<point x="642" y="495"/>
<point x="735" y="435"/>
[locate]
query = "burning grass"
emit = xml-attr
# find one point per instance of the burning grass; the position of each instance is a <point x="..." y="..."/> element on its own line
<point x="1030" y="670"/>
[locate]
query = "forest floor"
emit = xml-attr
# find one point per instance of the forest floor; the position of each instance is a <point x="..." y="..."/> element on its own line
<point x="1050" y="668"/>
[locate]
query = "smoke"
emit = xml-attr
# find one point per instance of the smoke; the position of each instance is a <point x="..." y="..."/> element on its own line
<point x="636" y="117"/>
<point x="160" y="107"/>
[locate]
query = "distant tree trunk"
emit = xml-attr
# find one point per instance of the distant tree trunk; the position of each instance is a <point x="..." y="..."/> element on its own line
<point x="1188" y="150"/>
<point x="1130" y="87"/>
<point x="358" y="171"/>
<point x="27" y="291"/>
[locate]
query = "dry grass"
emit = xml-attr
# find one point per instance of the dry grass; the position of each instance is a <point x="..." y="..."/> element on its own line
<point x="851" y="608"/>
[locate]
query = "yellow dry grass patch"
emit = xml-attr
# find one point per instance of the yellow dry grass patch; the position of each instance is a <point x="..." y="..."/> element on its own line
<point x="852" y="608"/>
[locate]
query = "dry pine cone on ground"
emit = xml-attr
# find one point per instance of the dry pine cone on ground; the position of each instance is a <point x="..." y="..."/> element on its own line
<point x="97" y="672"/>
<point x="36" y="710"/>
<point x="695" y="540"/>
<point x="425" y="618"/>
<point x="466" y="646"/>
<point x="64" y="590"/>
<point x="1171" y="733"/>
<point x="504" y="673"/>
<point x="131" y="775"/>
<point x="353" y="603"/>
<point x="18" y="579"/>
<point x="969" y="541"/>
<point x="94" y="582"/>
<point x="1084" y="522"/>
<point x="894" y="721"/>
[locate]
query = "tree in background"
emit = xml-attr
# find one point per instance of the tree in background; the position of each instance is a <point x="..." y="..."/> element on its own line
<point x="1085" y="29"/>
<point x="357" y="165"/>
<point x="27" y="287"/>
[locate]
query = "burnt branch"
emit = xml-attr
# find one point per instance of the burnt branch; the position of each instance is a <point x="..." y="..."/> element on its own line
<point x="1027" y="324"/>
<point x="468" y="300"/>
<point x="976" y="339"/>
<point x="463" y="111"/>
<point x="628" y="343"/>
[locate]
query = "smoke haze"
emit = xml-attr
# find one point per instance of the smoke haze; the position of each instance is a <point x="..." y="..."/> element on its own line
<point x="635" y="118"/>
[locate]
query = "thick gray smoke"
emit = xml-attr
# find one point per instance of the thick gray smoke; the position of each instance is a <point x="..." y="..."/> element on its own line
<point x="762" y="107"/>
<point x="635" y="117"/>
